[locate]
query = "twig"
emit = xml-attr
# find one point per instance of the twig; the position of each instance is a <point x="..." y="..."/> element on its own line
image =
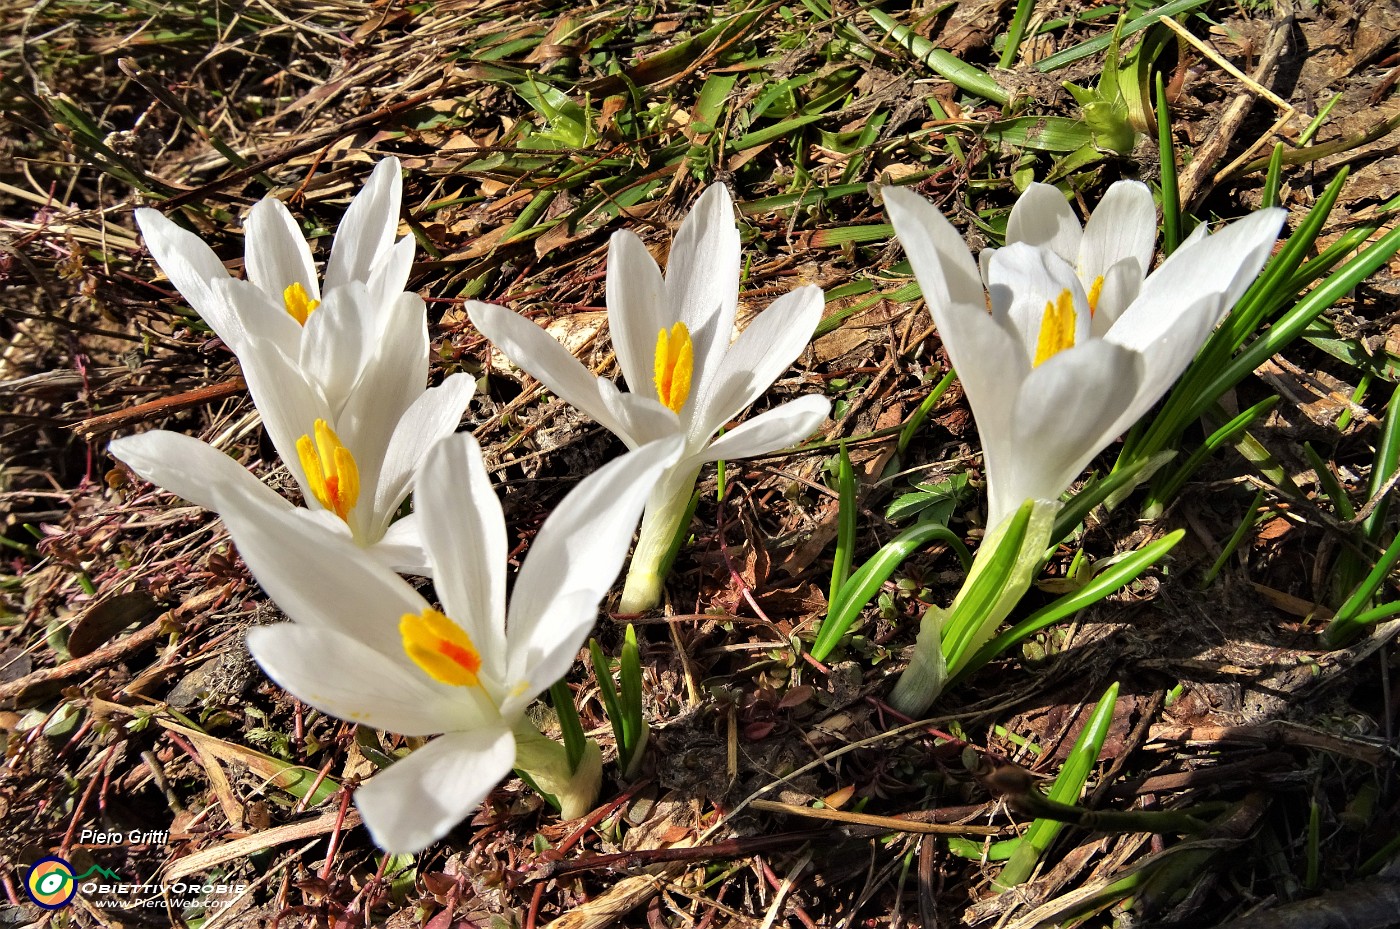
<point x="94" y="426"/>
<point x="1193" y="182"/>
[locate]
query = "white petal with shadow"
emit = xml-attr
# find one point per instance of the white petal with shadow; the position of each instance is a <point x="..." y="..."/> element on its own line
<point x="416" y="801"/>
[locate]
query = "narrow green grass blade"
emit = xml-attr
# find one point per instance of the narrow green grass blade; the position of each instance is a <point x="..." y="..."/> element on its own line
<point x="1172" y="484"/>
<point x="1291" y="324"/>
<point x="569" y="724"/>
<point x="630" y="674"/>
<point x="1115" y="578"/>
<point x="868" y="578"/>
<point x="969" y="613"/>
<point x="1318" y="120"/>
<point x="911" y="427"/>
<point x="782" y="130"/>
<point x="1345" y="627"/>
<point x="1268" y="290"/>
<point x="1066" y="789"/>
<point x="945" y="64"/>
<point x="1383" y="465"/>
<point x="1117" y="485"/>
<point x="1166" y="154"/>
<point x="1099" y="43"/>
<point x="608" y="692"/>
<point x="1237" y="538"/>
<point x="1274" y="178"/>
<point x="845" y="527"/>
<point x="1331" y="487"/>
<point x="1016" y="33"/>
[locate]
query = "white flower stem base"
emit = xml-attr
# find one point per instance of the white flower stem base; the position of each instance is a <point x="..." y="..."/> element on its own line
<point x="949" y="639"/>
<point x="666" y="508"/>
<point x="545" y="763"/>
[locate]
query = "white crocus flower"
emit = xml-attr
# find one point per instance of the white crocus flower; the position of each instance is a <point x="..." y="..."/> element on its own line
<point x="285" y="290"/>
<point x="1047" y="389"/>
<point x="672" y="335"/>
<point x="336" y="372"/>
<point x="365" y="647"/>
<point x="1110" y="254"/>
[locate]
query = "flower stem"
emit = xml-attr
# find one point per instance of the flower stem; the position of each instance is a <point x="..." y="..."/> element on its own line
<point x="544" y="763"/>
<point x="1001" y="573"/>
<point x="666" y="509"/>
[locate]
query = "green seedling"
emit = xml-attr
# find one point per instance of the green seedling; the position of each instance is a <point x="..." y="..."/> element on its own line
<point x="623" y="703"/>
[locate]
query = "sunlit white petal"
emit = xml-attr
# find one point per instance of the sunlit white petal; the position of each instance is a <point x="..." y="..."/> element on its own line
<point x="702" y="278"/>
<point x="318" y="578"/>
<point x="1041" y="217"/>
<point x="277" y="255"/>
<point x="576" y="557"/>
<point x="771" y="430"/>
<point x="416" y="801"/>
<point x="191" y="469"/>
<point x="765" y="349"/>
<point x="636" y="295"/>
<point x="367" y="229"/>
<point x="537" y="352"/>
<point x="464" y="532"/>
<point x="350" y="680"/>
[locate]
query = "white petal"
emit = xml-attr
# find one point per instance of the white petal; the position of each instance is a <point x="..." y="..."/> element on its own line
<point x="351" y="681"/>
<point x="635" y="291"/>
<point x="1167" y="342"/>
<point x="765" y="349"/>
<point x="464" y="533"/>
<point x="1023" y="279"/>
<point x="288" y="403"/>
<point x="1065" y="414"/>
<point x="318" y="577"/>
<point x="702" y="278"/>
<point x="989" y="357"/>
<point x="1042" y="217"/>
<point x="194" y="269"/>
<point x="574" y="560"/>
<point x="259" y="318"/>
<point x="1123" y="227"/>
<point x="436" y="413"/>
<point x="367" y="229"/>
<point x="984" y="263"/>
<point x="777" y="428"/>
<point x="536" y="352"/>
<point x="941" y="261"/>
<point x="191" y="469"/>
<point x="392" y="380"/>
<point x="276" y="255"/>
<point x="1223" y="263"/>
<point x="416" y="801"/>
<point x="389" y="276"/>
<point x="1121" y="285"/>
<point x="400" y="549"/>
<point x="642" y="419"/>
<point x="338" y="341"/>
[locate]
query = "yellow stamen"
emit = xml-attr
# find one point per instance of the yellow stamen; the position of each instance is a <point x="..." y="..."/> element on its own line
<point x="1095" y="289"/>
<point x="1056" y="328"/>
<point x="441" y="648"/>
<point x="675" y="360"/>
<point x="298" y="303"/>
<point x="330" y="470"/>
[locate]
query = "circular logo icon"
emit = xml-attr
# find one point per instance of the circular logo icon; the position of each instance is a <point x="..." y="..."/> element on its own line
<point x="50" y="883"/>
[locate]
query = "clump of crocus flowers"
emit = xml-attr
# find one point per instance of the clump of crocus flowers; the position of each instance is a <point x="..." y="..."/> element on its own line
<point x="1062" y="339"/>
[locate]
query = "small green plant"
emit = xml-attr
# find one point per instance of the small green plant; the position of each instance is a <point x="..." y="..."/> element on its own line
<point x="623" y="702"/>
